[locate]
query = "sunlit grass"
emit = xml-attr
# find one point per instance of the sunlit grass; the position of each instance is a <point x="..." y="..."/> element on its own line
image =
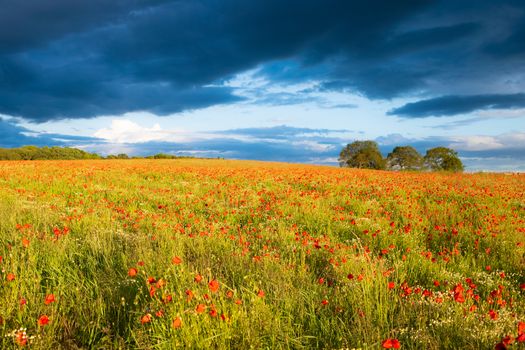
<point x="304" y="256"/>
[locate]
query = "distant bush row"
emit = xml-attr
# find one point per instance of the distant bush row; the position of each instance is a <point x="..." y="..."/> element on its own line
<point x="366" y="155"/>
<point x="64" y="153"/>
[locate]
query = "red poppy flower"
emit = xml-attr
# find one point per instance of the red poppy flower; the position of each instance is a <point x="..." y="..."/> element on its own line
<point x="176" y="260"/>
<point x="177" y="322"/>
<point x="391" y="343"/>
<point x="10" y="277"/>
<point x="493" y="314"/>
<point x="260" y="293"/>
<point x="213" y="285"/>
<point x="198" y="278"/>
<point x="391" y="285"/>
<point x="43" y="320"/>
<point x="145" y="319"/>
<point x="521" y="332"/>
<point x="25" y="242"/>
<point x="50" y="298"/>
<point x="132" y="272"/>
<point x="200" y="308"/>
<point x="167" y="298"/>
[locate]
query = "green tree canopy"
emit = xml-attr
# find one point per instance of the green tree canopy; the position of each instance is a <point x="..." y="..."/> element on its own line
<point x="404" y="158"/>
<point x="362" y="154"/>
<point x="40" y="153"/>
<point x="443" y="158"/>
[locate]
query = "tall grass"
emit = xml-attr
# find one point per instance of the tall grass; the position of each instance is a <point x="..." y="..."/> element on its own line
<point x="305" y="257"/>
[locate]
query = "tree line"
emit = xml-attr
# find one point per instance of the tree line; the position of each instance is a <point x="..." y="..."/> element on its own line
<point x="41" y="153"/>
<point x="366" y="155"/>
<point x="66" y="153"/>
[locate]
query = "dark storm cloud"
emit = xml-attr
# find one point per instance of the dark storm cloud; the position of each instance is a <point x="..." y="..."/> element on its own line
<point x="452" y="105"/>
<point x="32" y="23"/>
<point x="77" y="58"/>
<point x="82" y="59"/>
<point x="13" y="135"/>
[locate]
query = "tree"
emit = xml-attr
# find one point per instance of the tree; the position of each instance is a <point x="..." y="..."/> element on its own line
<point x="443" y="158"/>
<point x="404" y="158"/>
<point x="362" y="154"/>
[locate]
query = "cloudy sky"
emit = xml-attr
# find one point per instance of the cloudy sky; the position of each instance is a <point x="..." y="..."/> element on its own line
<point x="285" y="80"/>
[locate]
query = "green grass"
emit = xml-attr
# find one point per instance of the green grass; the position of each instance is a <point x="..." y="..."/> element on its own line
<point x="322" y="244"/>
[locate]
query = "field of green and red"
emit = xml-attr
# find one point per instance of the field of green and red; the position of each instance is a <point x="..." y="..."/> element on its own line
<point x="229" y="254"/>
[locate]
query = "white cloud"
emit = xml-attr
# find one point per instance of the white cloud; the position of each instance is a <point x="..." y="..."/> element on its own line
<point x="484" y="143"/>
<point x="127" y="131"/>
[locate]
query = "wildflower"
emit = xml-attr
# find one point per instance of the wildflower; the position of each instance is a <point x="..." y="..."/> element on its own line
<point x="200" y="308"/>
<point x="260" y="294"/>
<point x="521" y="332"/>
<point x="213" y="313"/>
<point x="145" y="319"/>
<point x="177" y="322"/>
<point x="167" y="298"/>
<point x="324" y="302"/>
<point x="213" y="285"/>
<point x="21" y="337"/>
<point x="50" y="298"/>
<point x="25" y="242"/>
<point x="43" y="320"/>
<point x="198" y="278"/>
<point x="160" y="283"/>
<point x="391" y="343"/>
<point x="176" y="260"/>
<point x="132" y="272"/>
<point x="391" y="285"/>
<point x="10" y="277"/>
<point x="493" y="314"/>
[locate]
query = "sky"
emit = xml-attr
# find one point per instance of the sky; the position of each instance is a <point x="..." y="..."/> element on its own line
<point x="276" y="80"/>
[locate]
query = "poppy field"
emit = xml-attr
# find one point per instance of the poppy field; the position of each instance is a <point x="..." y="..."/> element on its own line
<point x="163" y="254"/>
